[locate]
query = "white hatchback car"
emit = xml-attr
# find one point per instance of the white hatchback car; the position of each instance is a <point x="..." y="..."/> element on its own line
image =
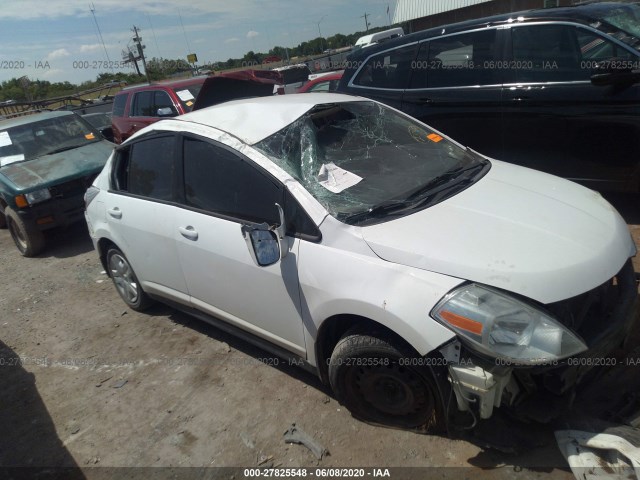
<point x="401" y="267"/>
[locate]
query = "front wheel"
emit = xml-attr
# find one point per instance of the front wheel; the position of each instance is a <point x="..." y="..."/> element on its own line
<point x="369" y="377"/>
<point x="28" y="239"/>
<point x="126" y="282"/>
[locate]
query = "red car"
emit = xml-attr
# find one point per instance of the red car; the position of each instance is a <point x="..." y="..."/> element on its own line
<point x="327" y="82"/>
<point x="136" y="107"/>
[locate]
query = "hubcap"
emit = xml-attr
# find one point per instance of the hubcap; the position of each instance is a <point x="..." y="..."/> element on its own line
<point x="123" y="277"/>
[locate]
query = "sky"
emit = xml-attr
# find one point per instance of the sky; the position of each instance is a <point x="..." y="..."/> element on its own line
<point x="58" y="40"/>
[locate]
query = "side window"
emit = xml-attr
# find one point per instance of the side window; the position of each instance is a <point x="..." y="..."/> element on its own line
<point x="320" y="87"/>
<point x="558" y="53"/>
<point x="388" y="69"/>
<point x="162" y="100"/>
<point x="298" y="222"/>
<point x="461" y="60"/>
<point x="150" y="168"/>
<point x="118" y="105"/>
<point x="221" y="182"/>
<point x="142" y="104"/>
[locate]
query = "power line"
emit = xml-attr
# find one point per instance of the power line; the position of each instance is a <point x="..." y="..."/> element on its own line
<point x="93" y="12"/>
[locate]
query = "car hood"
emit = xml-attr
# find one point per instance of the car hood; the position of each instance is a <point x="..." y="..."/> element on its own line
<point x="517" y="229"/>
<point x="52" y="169"/>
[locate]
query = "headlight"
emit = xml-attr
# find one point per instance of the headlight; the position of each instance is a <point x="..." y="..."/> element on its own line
<point x="38" y="196"/>
<point x="501" y="326"/>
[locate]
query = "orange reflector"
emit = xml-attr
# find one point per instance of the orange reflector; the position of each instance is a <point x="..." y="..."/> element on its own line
<point x="43" y="220"/>
<point x="89" y="136"/>
<point x="21" y="201"/>
<point x="434" y="137"/>
<point x="462" y="322"/>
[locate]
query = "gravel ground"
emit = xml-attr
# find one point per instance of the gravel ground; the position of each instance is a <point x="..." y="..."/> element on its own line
<point x="99" y="386"/>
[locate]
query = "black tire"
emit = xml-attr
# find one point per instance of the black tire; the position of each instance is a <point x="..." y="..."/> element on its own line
<point x="28" y="239"/>
<point x="126" y="281"/>
<point x="368" y="376"/>
<point x="3" y="221"/>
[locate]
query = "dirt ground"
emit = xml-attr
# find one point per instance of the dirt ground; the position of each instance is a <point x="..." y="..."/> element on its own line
<point x="99" y="386"/>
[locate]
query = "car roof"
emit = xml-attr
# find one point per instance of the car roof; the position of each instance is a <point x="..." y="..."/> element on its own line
<point x="254" y="119"/>
<point x="165" y="83"/>
<point x="31" y="118"/>
<point x="584" y="14"/>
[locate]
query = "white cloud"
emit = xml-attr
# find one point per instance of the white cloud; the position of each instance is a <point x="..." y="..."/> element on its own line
<point x="231" y="40"/>
<point x="54" y="74"/>
<point x="252" y="34"/>
<point x="59" y="53"/>
<point x="94" y="47"/>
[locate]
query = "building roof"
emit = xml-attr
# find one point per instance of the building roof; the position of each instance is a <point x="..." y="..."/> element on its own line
<point x="407" y="10"/>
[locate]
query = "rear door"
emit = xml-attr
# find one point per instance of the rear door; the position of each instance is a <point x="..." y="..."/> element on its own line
<point x="556" y="120"/>
<point x="141" y="211"/>
<point x="456" y="87"/>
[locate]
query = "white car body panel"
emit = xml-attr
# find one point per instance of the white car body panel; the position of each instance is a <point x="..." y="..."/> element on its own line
<point x="518" y="229"/>
<point x="221" y="273"/>
<point x="341" y="275"/>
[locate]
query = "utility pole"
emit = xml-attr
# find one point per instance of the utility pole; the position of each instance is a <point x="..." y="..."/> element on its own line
<point x="366" y="22"/>
<point x="138" y="41"/>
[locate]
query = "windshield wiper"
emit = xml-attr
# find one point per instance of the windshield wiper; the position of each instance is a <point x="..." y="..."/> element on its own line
<point x="420" y="197"/>
<point x="443" y="181"/>
<point x="381" y="210"/>
<point x="62" y="149"/>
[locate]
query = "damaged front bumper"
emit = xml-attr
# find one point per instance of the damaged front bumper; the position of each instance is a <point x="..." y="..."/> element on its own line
<point x="603" y="317"/>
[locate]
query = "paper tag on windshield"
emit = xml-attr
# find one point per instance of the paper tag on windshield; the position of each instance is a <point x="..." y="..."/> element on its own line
<point x="185" y="95"/>
<point x="336" y="179"/>
<point x="5" y="139"/>
<point x="9" y="159"/>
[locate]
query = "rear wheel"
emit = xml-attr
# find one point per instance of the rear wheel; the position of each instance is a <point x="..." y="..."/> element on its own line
<point x="126" y="282"/>
<point x="28" y="239"/>
<point x="377" y="381"/>
<point x="3" y="221"/>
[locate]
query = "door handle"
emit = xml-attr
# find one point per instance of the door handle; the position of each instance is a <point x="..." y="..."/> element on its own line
<point x="115" y="212"/>
<point x="188" y="232"/>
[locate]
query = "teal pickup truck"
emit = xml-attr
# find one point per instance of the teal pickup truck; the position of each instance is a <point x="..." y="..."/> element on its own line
<point x="47" y="161"/>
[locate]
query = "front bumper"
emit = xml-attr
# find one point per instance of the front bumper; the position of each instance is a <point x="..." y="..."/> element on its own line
<point x="65" y="207"/>
<point x="603" y="317"/>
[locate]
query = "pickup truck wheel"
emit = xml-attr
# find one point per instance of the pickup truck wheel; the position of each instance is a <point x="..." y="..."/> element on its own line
<point x="28" y="239"/>
<point x="126" y="282"/>
<point x="378" y="383"/>
<point x="3" y="221"/>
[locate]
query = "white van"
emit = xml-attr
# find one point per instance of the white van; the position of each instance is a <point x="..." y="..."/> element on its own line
<point x="379" y="37"/>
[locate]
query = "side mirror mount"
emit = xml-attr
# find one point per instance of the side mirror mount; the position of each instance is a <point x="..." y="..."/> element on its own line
<point x="262" y="243"/>
<point x="281" y="231"/>
<point x="615" y="71"/>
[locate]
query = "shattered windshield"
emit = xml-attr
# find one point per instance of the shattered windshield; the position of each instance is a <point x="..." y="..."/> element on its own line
<point x="45" y="137"/>
<point x="365" y="163"/>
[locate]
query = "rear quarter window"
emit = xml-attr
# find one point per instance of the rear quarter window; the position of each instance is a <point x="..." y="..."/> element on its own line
<point x="119" y="104"/>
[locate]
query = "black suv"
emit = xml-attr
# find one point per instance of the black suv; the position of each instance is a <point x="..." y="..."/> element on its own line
<point x="555" y="89"/>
